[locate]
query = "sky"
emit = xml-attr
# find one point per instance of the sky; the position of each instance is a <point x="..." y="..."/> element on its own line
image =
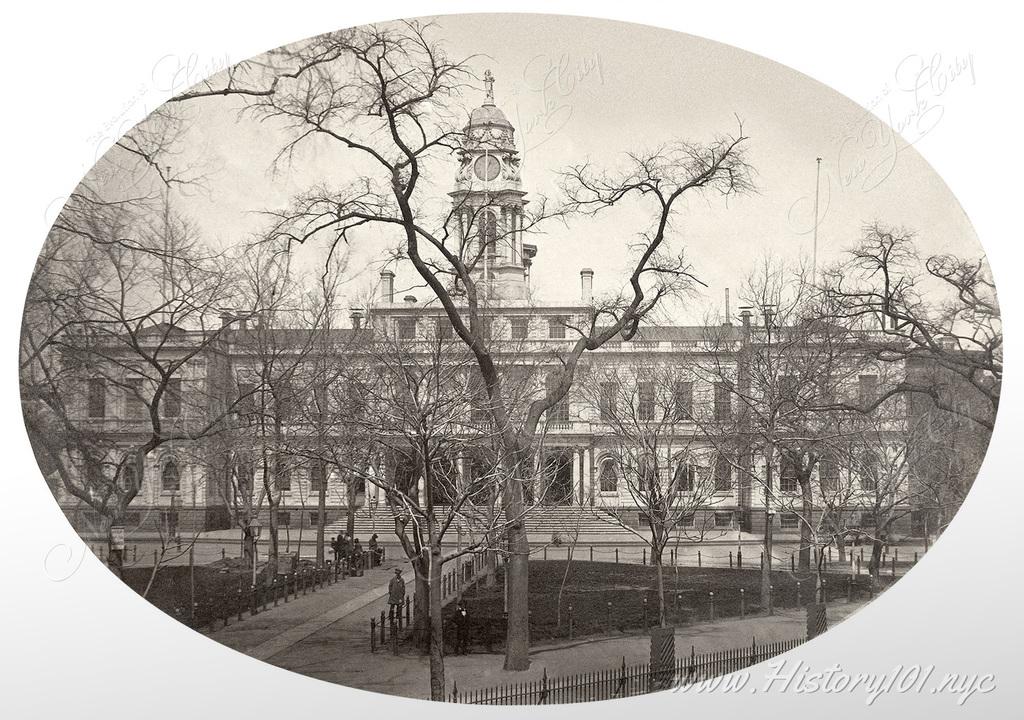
<point x="579" y="89"/>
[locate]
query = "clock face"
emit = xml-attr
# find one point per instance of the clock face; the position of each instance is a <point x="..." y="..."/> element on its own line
<point x="486" y="167"/>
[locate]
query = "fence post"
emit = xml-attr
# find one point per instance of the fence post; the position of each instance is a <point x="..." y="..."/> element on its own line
<point x="792" y="563"/>
<point x="798" y="593"/>
<point x="730" y="559"/>
<point x="824" y="591"/>
<point x="545" y="552"/>
<point x="373" y="635"/>
<point x="739" y="557"/>
<point x="455" y="691"/>
<point x="771" y="599"/>
<point x="894" y="566"/>
<point x="753" y="651"/>
<point x="644" y="562"/>
<point x="570" y="622"/>
<point x="849" y="589"/>
<point x="616" y="554"/>
<point x="698" y="558"/>
<point x="383" y="636"/>
<point x="591" y="553"/>
<point x="645" y="612"/>
<point x="711" y="602"/>
<point x="609" y="615"/>
<point x="743" y="604"/>
<point x="407" y="611"/>
<point x="762" y="560"/>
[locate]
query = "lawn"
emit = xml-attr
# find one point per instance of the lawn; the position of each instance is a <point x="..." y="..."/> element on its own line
<point x="609" y="597"/>
<point x="222" y="586"/>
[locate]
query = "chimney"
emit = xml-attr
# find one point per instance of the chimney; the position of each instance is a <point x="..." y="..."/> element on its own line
<point x="226" y="318"/>
<point x="357" y="318"/>
<point x="387" y="286"/>
<point x="745" y="315"/>
<point x="411" y="299"/>
<point x="587" y="285"/>
<point x="728" y="311"/>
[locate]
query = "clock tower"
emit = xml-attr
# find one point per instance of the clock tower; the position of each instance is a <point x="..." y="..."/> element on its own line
<point x="488" y="203"/>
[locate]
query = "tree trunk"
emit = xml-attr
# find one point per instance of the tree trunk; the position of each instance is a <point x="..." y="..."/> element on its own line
<point x="807" y="511"/>
<point x="437" y="682"/>
<point x="115" y="557"/>
<point x="517" y="573"/>
<point x="249" y="546"/>
<point x="350" y="511"/>
<point x="656" y="560"/>
<point x="421" y="603"/>
<point x="321" y="517"/>
<point x="876" y="556"/>
<point x="841" y="546"/>
<point x="272" y="547"/>
<point x="766" y="570"/>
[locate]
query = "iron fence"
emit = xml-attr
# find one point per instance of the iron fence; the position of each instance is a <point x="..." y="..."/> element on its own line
<point x="626" y="680"/>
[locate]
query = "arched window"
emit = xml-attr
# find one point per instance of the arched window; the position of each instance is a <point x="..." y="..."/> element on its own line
<point x="487" y="233"/>
<point x="170" y="478"/>
<point x="129" y="475"/>
<point x="608" y="478"/>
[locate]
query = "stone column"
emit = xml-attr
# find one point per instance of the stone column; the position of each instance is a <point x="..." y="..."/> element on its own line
<point x="588" y="475"/>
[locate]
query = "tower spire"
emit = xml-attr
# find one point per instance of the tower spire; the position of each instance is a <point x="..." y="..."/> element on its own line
<point x="488" y="88"/>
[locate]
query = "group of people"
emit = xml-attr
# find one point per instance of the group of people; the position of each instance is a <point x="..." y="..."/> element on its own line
<point x="345" y="548"/>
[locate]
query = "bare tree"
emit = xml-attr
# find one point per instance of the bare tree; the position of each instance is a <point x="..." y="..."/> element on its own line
<point x="119" y="316"/>
<point x="657" y="452"/>
<point x="390" y="102"/>
<point x="941" y="308"/>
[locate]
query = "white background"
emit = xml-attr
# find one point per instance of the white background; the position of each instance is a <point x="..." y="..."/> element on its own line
<point x="76" y="642"/>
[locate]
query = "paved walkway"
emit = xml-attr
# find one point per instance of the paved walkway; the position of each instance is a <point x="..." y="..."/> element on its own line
<point x="278" y="628"/>
<point x="338" y="651"/>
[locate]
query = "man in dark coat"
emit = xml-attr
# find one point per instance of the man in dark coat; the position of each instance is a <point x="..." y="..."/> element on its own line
<point x="461" y="628"/>
<point x="396" y="592"/>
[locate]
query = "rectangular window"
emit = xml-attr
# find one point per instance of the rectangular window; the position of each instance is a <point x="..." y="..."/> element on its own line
<point x="314" y="518"/>
<point x="284" y="399"/>
<point x="283" y="476"/>
<point x="685" y="475"/>
<point x="828" y="474"/>
<point x="789" y="479"/>
<point x="723" y="402"/>
<point x="723" y="519"/>
<point x="682" y="400"/>
<point x="245" y="404"/>
<point x="134" y="404"/>
<point x="867" y="389"/>
<point x="406" y="328"/>
<point x="645" y="406"/>
<point x="609" y="402"/>
<point x="789" y="521"/>
<point x="284" y="518"/>
<point x="723" y="473"/>
<point x="317" y="478"/>
<point x="97" y="398"/>
<point x="688" y="520"/>
<point x="444" y="328"/>
<point x="520" y="327"/>
<point x="868" y="471"/>
<point x="172" y="398"/>
<point x="487" y="327"/>
<point x="788" y="387"/>
<point x="560" y="411"/>
<point x="556" y="328"/>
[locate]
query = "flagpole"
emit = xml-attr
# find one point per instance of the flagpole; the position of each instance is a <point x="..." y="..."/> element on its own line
<point x="814" y="259"/>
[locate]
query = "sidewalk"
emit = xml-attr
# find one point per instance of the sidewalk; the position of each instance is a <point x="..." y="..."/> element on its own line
<point x="268" y="633"/>
<point x="339" y="652"/>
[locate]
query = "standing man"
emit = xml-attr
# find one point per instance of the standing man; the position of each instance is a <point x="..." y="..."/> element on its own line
<point x="396" y="592"/>
<point x="461" y="628"/>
